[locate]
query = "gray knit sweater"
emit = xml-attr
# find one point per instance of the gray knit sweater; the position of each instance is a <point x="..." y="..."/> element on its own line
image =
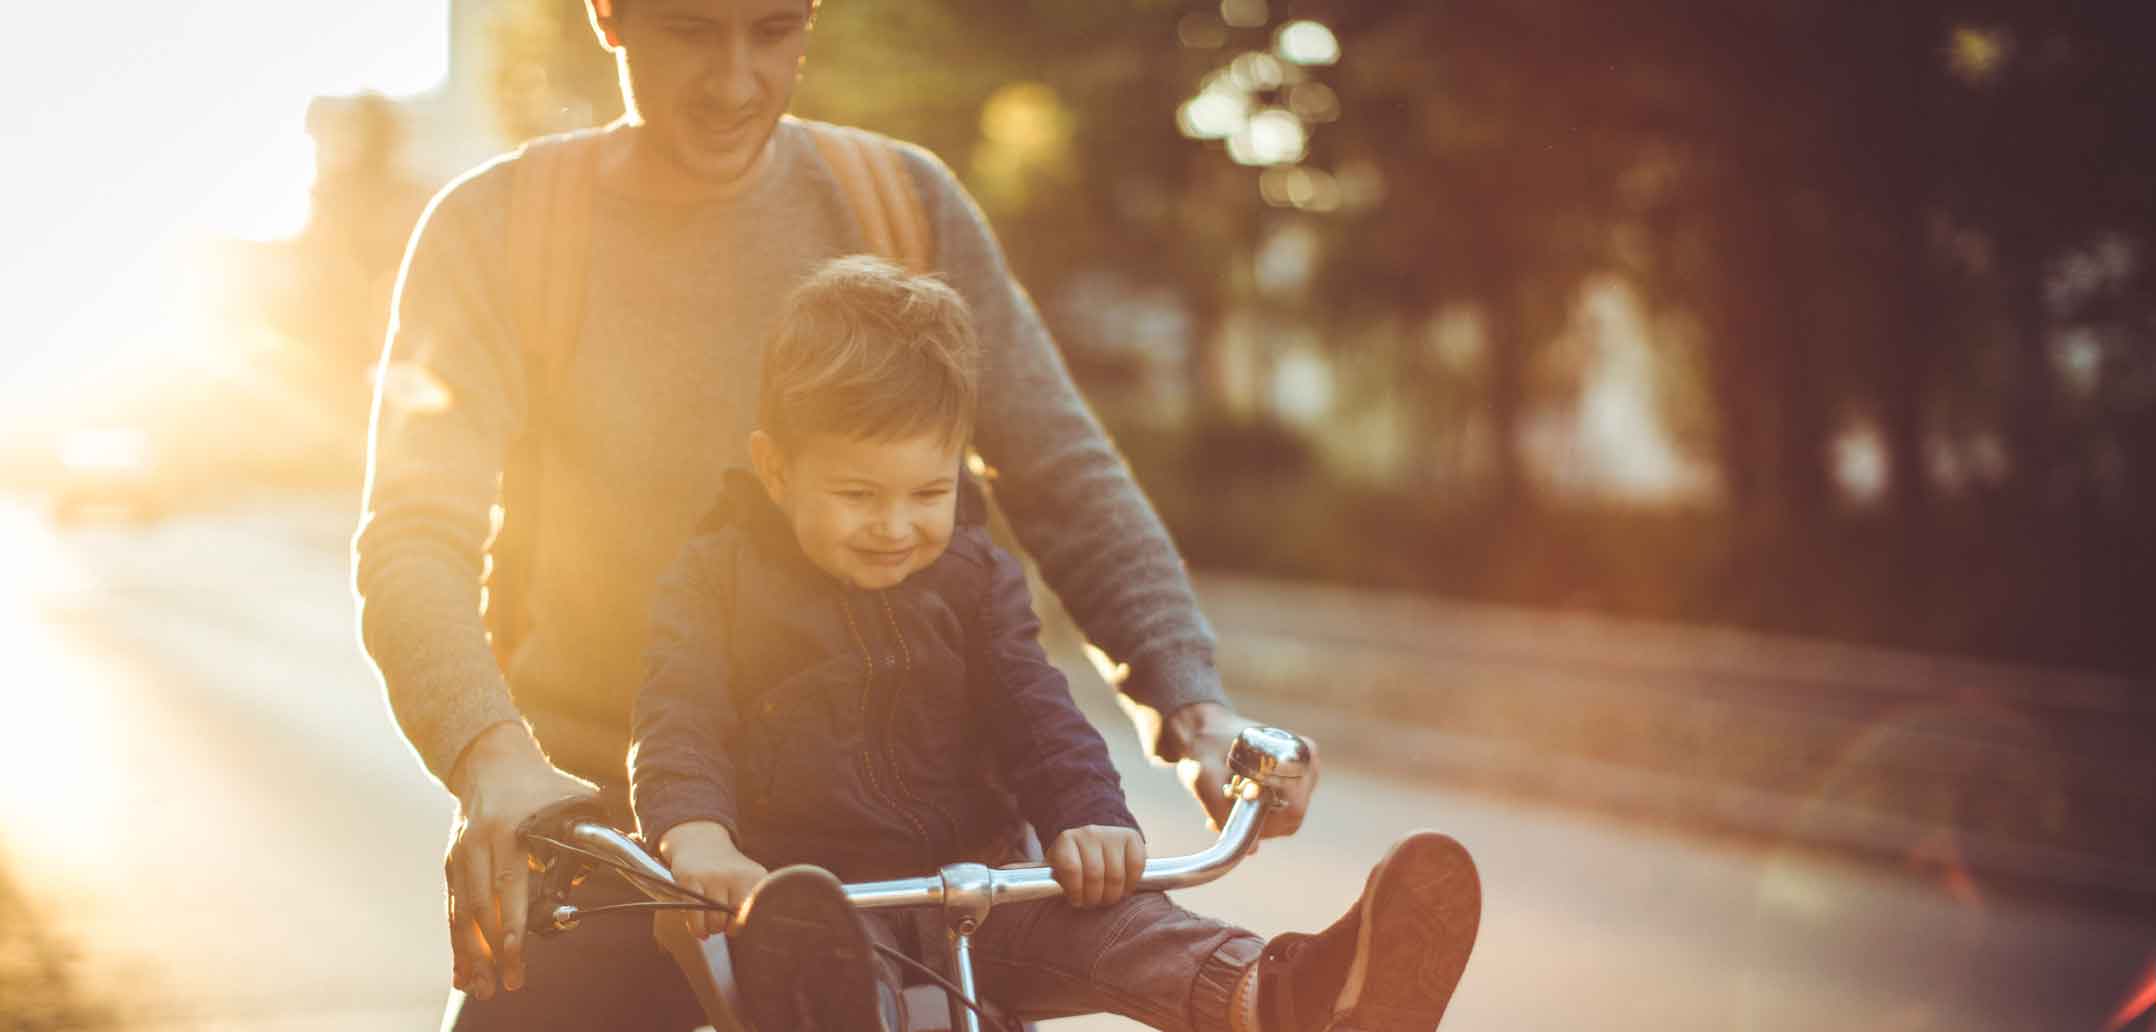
<point x="660" y="398"/>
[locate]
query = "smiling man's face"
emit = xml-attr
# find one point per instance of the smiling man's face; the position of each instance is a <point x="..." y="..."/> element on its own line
<point x="710" y="78"/>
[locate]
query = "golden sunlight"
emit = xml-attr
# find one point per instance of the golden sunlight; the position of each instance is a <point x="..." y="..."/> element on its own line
<point x="54" y="711"/>
<point x="176" y="123"/>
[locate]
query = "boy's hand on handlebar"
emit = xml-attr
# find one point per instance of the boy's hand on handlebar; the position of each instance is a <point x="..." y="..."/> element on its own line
<point x="500" y="781"/>
<point x="1205" y="731"/>
<point x="1097" y="865"/>
<point x="704" y="859"/>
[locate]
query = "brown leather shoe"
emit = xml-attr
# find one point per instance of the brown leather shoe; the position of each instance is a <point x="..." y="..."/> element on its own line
<point x="1391" y="963"/>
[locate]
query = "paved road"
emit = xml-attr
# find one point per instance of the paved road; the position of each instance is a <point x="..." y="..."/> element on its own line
<point x="201" y="786"/>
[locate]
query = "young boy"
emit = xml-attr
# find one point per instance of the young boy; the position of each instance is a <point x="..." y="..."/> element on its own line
<point x="845" y="673"/>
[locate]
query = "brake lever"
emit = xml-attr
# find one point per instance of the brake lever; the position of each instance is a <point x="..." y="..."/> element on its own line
<point x="556" y="872"/>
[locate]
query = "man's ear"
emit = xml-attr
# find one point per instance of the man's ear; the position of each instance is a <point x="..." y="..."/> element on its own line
<point x="770" y="462"/>
<point x="603" y="23"/>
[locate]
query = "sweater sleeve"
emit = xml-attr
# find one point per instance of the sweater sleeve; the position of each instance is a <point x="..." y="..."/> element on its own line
<point x="1051" y="758"/>
<point x="680" y="766"/>
<point x="1068" y="493"/>
<point x="449" y="398"/>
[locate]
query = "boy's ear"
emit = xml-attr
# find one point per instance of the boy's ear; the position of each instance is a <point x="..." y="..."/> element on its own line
<point x="770" y="462"/>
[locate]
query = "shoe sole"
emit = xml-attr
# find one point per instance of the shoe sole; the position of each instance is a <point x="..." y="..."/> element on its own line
<point x="1420" y="912"/>
<point x="803" y="957"/>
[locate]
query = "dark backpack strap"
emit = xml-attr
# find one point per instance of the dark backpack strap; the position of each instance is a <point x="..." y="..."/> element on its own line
<point x="551" y="187"/>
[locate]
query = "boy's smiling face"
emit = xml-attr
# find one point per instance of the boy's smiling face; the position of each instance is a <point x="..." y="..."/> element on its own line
<point x="868" y="512"/>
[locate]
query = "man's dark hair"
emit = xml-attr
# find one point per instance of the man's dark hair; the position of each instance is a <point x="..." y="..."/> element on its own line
<point x="864" y="349"/>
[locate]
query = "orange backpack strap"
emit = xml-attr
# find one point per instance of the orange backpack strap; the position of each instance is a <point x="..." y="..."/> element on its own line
<point x="880" y="192"/>
<point x="552" y="185"/>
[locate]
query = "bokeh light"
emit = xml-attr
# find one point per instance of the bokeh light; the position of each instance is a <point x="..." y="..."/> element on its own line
<point x="1201" y="30"/>
<point x="1977" y="54"/>
<point x="1216" y="113"/>
<point x="1244" y="14"/>
<point x="1314" y="102"/>
<point x="1257" y="71"/>
<point x="1273" y="136"/>
<point x="1306" y="42"/>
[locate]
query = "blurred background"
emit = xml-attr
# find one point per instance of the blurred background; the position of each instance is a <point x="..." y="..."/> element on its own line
<point x="1701" y="455"/>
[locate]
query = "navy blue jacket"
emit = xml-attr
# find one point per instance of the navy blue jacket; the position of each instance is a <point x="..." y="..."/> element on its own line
<point x="875" y="733"/>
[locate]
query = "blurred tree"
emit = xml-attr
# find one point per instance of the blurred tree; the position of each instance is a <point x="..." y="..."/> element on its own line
<point x="361" y="209"/>
<point x="549" y="74"/>
<point x="1928" y="222"/>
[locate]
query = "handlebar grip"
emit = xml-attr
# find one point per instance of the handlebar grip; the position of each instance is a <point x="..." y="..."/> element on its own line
<point x="555" y="819"/>
<point x="556" y="874"/>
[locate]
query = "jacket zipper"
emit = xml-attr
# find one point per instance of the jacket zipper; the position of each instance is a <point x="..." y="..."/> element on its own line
<point x="890" y="758"/>
<point x="867" y="757"/>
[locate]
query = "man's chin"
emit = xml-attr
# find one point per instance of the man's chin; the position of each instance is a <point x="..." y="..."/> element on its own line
<point x="717" y="164"/>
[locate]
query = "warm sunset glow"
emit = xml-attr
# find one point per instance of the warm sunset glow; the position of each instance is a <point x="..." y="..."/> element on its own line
<point x="163" y="125"/>
<point x="53" y="717"/>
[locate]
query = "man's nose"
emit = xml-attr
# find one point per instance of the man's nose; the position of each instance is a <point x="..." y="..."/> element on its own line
<point x="729" y="78"/>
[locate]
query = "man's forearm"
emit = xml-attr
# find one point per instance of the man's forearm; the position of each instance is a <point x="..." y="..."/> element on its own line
<point x="432" y="472"/>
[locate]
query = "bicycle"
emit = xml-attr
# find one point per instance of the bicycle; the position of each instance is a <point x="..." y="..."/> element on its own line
<point x="569" y="845"/>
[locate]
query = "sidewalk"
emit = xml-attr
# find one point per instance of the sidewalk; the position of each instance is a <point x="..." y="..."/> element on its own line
<point x="2029" y="776"/>
<point x="2035" y="778"/>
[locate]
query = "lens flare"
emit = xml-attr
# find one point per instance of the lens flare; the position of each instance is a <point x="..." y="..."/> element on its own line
<point x="2139" y="1001"/>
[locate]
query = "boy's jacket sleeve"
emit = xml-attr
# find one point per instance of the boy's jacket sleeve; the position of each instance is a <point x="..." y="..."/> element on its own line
<point x="681" y="768"/>
<point x="1051" y="757"/>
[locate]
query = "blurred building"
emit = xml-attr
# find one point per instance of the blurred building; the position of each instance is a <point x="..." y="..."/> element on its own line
<point x="452" y="127"/>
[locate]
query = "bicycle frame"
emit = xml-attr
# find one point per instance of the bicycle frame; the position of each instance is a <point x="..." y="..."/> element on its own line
<point x="1263" y="761"/>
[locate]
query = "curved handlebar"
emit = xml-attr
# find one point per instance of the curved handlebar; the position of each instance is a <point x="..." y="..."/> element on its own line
<point x="1262" y="758"/>
<point x="1016" y="884"/>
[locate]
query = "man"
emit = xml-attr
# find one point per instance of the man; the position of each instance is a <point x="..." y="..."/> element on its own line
<point x="709" y="206"/>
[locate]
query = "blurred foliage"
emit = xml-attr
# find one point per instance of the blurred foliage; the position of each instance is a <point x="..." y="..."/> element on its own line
<point x="1919" y="232"/>
<point x="549" y="73"/>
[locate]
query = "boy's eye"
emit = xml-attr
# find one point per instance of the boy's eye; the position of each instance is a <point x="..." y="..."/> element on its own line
<point x="932" y="494"/>
<point x="854" y="494"/>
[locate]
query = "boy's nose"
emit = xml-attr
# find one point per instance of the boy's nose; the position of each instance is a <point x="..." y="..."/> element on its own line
<point x="890" y="527"/>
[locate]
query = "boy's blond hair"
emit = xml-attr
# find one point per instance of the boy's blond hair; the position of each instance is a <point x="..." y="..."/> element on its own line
<point x="865" y="350"/>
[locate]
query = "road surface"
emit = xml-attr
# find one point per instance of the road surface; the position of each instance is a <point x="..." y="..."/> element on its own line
<point x="201" y="788"/>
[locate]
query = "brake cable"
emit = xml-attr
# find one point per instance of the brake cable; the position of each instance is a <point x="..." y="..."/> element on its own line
<point x="706" y="903"/>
